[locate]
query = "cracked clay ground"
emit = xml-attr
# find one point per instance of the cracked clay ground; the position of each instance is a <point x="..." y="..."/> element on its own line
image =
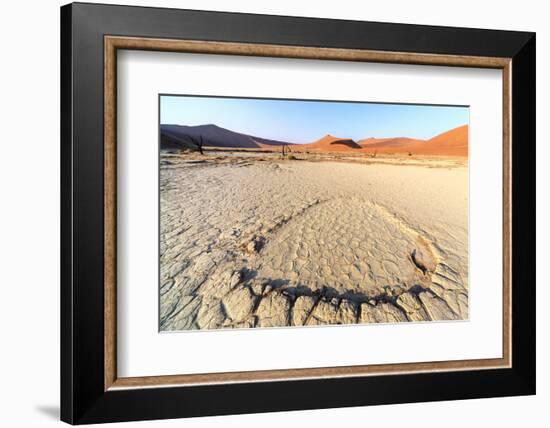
<point x="252" y="242"/>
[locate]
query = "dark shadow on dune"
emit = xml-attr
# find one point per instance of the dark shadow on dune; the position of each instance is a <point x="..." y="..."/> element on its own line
<point x="349" y="143"/>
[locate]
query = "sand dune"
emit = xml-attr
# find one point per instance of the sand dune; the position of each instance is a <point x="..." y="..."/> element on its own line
<point x="451" y="143"/>
<point x="187" y="137"/>
<point x="388" y="143"/>
<point x="329" y="143"/>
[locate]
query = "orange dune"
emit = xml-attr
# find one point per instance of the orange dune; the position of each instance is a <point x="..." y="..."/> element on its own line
<point x="450" y="143"/>
<point x="387" y="143"/>
<point x="329" y="143"/>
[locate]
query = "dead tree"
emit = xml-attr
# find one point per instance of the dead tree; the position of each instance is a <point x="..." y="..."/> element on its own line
<point x="199" y="144"/>
<point x="374" y="154"/>
<point x="283" y="149"/>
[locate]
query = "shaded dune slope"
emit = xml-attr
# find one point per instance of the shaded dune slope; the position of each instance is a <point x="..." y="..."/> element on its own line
<point x="329" y="143"/>
<point x="187" y="137"/>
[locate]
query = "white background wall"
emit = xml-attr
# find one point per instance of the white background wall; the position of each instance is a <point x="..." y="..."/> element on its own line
<point x="29" y="212"/>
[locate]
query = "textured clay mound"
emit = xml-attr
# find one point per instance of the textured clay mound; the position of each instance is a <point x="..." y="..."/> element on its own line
<point x="324" y="242"/>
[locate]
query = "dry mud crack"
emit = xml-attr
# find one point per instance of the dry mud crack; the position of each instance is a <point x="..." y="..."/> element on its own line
<point x="302" y="254"/>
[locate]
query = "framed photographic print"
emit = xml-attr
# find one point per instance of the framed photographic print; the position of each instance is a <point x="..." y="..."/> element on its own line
<point x="265" y="213"/>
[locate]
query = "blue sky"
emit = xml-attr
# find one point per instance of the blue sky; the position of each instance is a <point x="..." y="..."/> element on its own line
<point x="306" y="121"/>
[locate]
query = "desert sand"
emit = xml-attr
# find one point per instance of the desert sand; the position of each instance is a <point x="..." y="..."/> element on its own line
<point x="252" y="239"/>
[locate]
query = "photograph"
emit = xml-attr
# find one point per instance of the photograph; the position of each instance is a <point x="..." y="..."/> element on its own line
<point x="265" y="215"/>
<point x="293" y="213"/>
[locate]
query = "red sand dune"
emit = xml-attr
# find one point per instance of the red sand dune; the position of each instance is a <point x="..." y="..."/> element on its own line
<point x="329" y="143"/>
<point x="453" y="143"/>
<point x="387" y="143"/>
<point x="450" y="143"/>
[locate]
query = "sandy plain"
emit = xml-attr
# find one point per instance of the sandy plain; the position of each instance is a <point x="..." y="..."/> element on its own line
<point x="252" y="239"/>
